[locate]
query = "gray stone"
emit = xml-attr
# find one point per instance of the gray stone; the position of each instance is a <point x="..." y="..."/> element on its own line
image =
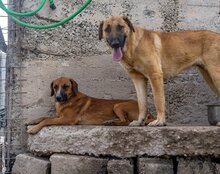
<point x="120" y="167"/>
<point x="70" y="164"/>
<point x="195" y="166"/>
<point x="29" y="164"/>
<point x="74" y="50"/>
<point x="126" y="142"/>
<point x="191" y="15"/>
<point x="217" y="167"/>
<point x="155" y="166"/>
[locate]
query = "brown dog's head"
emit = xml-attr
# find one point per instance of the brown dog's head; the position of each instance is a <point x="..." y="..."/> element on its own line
<point x="63" y="88"/>
<point x="115" y="31"/>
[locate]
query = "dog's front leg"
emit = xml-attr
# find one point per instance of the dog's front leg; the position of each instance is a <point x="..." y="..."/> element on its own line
<point x="140" y="83"/>
<point x="36" y="121"/>
<point x="156" y="80"/>
<point x="51" y="121"/>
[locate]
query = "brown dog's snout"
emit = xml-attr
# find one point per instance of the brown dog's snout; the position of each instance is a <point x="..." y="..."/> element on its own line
<point x="58" y="98"/>
<point x="61" y="95"/>
<point x="114" y="43"/>
<point x="117" y="42"/>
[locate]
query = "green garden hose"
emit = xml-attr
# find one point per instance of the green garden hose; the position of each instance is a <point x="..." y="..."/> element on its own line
<point x="52" y="6"/>
<point x="81" y="8"/>
<point x="22" y="14"/>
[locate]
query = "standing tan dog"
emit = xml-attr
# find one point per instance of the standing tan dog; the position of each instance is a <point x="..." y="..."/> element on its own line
<point x="74" y="107"/>
<point x="155" y="56"/>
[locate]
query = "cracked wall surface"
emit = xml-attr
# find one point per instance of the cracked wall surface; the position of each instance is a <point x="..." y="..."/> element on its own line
<point x="74" y="50"/>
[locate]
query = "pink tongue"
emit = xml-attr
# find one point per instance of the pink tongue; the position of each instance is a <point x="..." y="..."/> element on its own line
<point x="117" y="54"/>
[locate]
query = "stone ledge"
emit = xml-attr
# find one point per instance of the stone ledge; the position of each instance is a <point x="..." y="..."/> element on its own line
<point x="125" y="142"/>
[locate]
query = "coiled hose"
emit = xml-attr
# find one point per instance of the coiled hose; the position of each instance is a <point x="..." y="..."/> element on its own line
<point x="13" y="14"/>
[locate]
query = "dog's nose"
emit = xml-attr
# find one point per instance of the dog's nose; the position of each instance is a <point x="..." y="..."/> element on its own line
<point x="58" y="98"/>
<point x="115" y="43"/>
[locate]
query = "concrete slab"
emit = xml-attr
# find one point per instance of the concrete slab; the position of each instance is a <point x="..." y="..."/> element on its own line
<point x="126" y="142"/>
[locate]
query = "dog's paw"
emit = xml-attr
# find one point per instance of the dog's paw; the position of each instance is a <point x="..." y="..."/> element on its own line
<point x="33" y="130"/>
<point x="157" y="123"/>
<point x="136" y="123"/>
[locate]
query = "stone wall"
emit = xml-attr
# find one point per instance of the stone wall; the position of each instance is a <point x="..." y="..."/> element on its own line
<point x="66" y="164"/>
<point x="74" y="50"/>
<point x="122" y="150"/>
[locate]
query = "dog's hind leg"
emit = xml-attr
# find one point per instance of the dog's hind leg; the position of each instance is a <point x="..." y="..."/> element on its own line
<point x="120" y="113"/>
<point x="209" y="80"/>
<point x="212" y="76"/>
<point x="122" y="117"/>
<point x="214" y="73"/>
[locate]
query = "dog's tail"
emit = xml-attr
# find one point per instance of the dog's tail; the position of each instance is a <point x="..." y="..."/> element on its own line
<point x="149" y="118"/>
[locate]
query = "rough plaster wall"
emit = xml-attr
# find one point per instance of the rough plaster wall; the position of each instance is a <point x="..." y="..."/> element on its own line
<point x="74" y="50"/>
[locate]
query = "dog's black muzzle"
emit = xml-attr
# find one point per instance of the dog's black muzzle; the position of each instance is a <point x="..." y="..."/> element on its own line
<point x="117" y="42"/>
<point x="61" y="97"/>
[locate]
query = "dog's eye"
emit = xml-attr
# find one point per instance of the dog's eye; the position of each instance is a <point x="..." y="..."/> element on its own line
<point x="65" y="86"/>
<point x="108" y="29"/>
<point x="119" y="27"/>
<point x="55" y="87"/>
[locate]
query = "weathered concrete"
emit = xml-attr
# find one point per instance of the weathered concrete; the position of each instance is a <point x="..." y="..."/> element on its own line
<point x="74" y="50"/>
<point x="127" y="141"/>
<point x="29" y="164"/>
<point x="155" y="166"/>
<point x="197" y="166"/>
<point x="120" y="166"/>
<point x="192" y="16"/>
<point x="70" y="164"/>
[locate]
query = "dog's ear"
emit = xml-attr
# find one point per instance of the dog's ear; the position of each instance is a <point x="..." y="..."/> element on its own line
<point x="51" y="88"/>
<point x="128" y="22"/>
<point x="74" y="87"/>
<point x="101" y="30"/>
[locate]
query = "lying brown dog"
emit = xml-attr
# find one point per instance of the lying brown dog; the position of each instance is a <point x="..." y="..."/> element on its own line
<point x="73" y="108"/>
